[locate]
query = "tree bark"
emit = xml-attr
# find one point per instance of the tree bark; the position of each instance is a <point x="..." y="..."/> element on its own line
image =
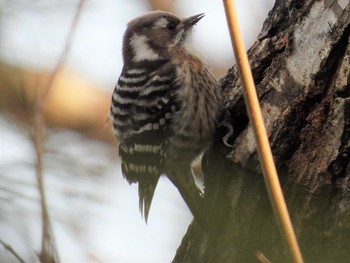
<point x="300" y="65"/>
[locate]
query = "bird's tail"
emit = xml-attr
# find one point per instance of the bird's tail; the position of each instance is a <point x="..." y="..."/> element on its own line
<point x="146" y="193"/>
<point x="147" y="183"/>
<point x="141" y="164"/>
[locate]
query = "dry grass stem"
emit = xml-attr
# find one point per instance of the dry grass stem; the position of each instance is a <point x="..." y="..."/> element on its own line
<point x="263" y="146"/>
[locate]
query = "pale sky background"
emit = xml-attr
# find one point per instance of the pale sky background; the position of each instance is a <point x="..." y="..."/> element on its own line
<point x="94" y="210"/>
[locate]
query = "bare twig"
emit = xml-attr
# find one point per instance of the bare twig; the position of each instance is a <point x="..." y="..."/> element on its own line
<point x="48" y="253"/>
<point x="64" y="53"/>
<point x="12" y="251"/>
<point x="261" y="257"/>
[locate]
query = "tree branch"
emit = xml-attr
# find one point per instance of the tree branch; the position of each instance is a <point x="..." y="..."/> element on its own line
<point x="12" y="251"/>
<point x="48" y="253"/>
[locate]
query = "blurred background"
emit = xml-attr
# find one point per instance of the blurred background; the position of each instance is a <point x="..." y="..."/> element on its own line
<point x="93" y="210"/>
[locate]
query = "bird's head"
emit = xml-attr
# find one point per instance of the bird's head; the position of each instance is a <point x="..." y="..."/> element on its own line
<point x="154" y="35"/>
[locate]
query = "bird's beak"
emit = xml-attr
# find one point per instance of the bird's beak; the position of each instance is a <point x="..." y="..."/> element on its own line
<point x="192" y="20"/>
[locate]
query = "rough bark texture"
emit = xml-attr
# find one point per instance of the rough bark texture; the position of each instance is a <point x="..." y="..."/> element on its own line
<point x="300" y="64"/>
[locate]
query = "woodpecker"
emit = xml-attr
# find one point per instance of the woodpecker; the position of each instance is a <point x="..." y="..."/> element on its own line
<point x="164" y="107"/>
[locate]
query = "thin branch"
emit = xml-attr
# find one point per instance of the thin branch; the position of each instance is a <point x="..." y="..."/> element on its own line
<point x="12" y="251"/>
<point x="48" y="253"/>
<point x="261" y="257"/>
<point x="64" y="53"/>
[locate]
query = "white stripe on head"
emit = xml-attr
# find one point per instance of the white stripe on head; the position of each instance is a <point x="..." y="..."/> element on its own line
<point x="142" y="51"/>
<point x="162" y="22"/>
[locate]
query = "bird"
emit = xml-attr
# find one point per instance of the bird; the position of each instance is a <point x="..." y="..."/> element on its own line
<point x="164" y="107"/>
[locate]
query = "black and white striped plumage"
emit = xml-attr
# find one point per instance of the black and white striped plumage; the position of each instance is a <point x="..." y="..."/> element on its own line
<point x="164" y="107"/>
<point x="142" y="109"/>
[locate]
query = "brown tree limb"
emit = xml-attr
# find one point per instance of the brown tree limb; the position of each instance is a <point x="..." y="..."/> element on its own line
<point x="73" y="103"/>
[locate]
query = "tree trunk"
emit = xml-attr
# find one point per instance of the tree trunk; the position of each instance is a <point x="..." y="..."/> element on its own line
<point x="300" y="65"/>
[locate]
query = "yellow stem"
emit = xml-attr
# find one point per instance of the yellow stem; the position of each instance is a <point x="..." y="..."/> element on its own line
<point x="264" y="150"/>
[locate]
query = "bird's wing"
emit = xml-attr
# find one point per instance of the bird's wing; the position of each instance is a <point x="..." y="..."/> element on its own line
<point x="143" y="104"/>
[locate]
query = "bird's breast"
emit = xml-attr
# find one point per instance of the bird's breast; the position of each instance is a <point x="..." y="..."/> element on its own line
<point x="198" y="94"/>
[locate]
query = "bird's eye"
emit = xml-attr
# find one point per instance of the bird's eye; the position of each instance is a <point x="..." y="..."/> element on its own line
<point x="171" y="26"/>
